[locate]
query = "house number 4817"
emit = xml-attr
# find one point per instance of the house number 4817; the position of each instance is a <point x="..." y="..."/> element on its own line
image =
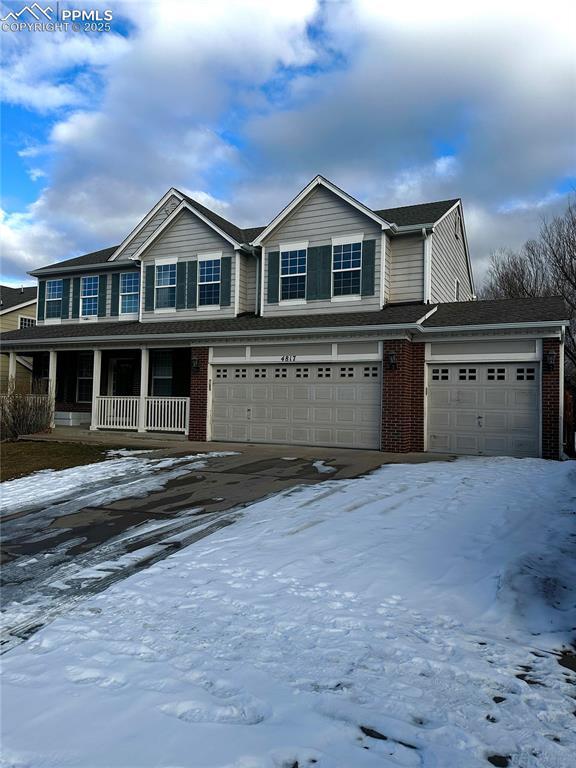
<point x="288" y="359"/>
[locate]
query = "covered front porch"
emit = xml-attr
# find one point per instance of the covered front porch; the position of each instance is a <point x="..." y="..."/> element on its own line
<point x="142" y="390"/>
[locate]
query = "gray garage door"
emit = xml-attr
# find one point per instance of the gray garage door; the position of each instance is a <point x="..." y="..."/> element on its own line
<point x="327" y="404"/>
<point x="484" y="409"/>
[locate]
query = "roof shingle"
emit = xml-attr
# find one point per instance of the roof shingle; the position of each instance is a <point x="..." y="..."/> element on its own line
<point x="13" y="297"/>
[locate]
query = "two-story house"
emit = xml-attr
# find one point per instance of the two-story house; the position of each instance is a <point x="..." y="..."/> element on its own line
<point x="334" y="324"/>
<point x="17" y="310"/>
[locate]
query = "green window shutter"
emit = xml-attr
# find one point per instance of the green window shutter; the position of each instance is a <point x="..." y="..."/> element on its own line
<point x="181" y="285"/>
<point x="368" y="264"/>
<point x="41" y="298"/>
<point x="149" y="290"/>
<point x="65" y="306"/>
<point x="102" y="283"/>
<point x="319" y="272"/>
<point x="273" y="276"/>
<point x="192" y="283"/>
<point x="115" y="295"/>
<point x="76" y="297"/>
<point x="225" y="280"/>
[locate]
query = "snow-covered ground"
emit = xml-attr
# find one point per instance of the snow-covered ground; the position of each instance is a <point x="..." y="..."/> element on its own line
<point x="401" y="619"/>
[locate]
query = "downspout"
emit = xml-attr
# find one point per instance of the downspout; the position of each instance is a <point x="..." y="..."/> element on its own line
<point x="427" y="253"/>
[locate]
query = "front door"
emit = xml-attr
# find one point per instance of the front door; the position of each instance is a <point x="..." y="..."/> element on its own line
<point x="123" y="377"/>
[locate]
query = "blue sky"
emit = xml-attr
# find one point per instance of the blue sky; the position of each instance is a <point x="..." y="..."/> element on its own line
<point x="242" y="102"/>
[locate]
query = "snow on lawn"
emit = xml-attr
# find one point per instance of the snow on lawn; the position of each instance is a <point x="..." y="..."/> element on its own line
<point x="99" y="483"/>
<point x="401" y="619"/>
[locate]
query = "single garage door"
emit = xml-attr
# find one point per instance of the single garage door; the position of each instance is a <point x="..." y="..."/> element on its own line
<point x="485" y="409"/>
<point x="324" y="404"/>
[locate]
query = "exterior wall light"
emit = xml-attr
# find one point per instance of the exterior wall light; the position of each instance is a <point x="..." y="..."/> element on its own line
<point x="194" y="365"/>
<point x="391" y="361"/>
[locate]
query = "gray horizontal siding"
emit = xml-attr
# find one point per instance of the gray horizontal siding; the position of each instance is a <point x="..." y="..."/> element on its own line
<point x="158" y="218"/>
<point x="317" y="219"/>
<point x="406" y="269"/>
<point x="185" y="238"/>
<point x="122" y="267"/>
<point x="449" y="261"/>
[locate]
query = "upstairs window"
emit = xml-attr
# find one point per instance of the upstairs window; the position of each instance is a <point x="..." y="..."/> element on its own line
<point x="89" y="296"/>
<point x="346" y="269"/>
<point x="166" y="286"/>
<point x="27" y="322"/>
<point x="53" y="299"/>
<point x="208" y="282"/>
<point x="129" y="293"/>
<point x="293" y="275"/>
<point x="457" y="290"/>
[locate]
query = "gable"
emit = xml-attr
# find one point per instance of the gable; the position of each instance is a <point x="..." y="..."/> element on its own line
<point x="137" y="237"/>
<point x="321" y="215"/>
<point x="186" y="236"/>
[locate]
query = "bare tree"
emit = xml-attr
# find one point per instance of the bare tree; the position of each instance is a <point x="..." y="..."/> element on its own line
<point x="545" y="266"/>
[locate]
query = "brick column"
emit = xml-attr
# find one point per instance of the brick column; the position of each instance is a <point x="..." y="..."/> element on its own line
<point x="551" y="401"/>
<point x="403" y="398"/>
<point x="198" y="394"/>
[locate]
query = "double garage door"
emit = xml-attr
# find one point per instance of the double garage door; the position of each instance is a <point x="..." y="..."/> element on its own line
<point x="335" y="404"/>
<point x="484" y="409"/>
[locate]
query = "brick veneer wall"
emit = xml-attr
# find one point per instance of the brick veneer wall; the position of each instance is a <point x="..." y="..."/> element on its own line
<point x="551" y="402"/>
<point x="199" y="395"/>
<point x="403" y="398"/>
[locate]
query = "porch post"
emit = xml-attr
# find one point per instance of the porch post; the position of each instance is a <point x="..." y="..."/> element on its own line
<point x="52" y="364"/>
<point x="96" y="375"/>
<point x="12" y="369"/>
<point x="144" y="367"/>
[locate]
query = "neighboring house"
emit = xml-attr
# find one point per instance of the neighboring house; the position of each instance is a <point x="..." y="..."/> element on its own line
<point x="334" y="324"/>
<point x="17" y="310"/>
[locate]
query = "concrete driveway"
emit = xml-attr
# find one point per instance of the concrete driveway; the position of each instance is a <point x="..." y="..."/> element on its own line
<point x="55" y="552"/>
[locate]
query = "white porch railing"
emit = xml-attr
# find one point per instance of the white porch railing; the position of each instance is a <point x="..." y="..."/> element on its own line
<point x="167" y="414"/>
<point x="117" y="412"/>
<point x="162" y="414"/>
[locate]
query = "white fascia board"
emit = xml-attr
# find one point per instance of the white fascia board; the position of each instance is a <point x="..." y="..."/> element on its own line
<point x="448" y="212"/>
<point x="184" y="205"/>
<point x="494" y="326"/>
<point x="347" y="239"/>
<point x="18" y="306"/>
<point x="140" y="226"/>
<point x="318" y="181"/>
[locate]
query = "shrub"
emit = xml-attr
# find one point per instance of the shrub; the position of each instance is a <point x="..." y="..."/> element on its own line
<point x="24" y="414"/>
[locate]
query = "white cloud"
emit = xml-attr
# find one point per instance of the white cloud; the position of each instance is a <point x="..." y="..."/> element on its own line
<point x="241" y="100"/>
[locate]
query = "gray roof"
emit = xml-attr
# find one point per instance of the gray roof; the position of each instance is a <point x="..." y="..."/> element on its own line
<point x="13" y="297"/>
<point x="96" y="257"/>
<point x="390" y="315"/>
<point x="497" y="311"/>
<point x="503" y="311"/>
<point x="408" y="215"/>
<point x="413" y="215"/>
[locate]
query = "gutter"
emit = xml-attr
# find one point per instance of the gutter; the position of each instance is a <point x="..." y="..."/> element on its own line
<point x="117" y="265"/>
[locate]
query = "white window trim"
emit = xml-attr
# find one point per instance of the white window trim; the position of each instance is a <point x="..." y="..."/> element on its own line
<point x="26" y="317"/>
<point x="285" y="248"/>
<point x="164" y="263"/>
<point x="92" y="295"/>
<point x="47" y="301"/>
<point x="350" y="296"/>
<point x="345" y="239"/>
<point x="214" y="256"/>
<point x="131" y="293"/>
